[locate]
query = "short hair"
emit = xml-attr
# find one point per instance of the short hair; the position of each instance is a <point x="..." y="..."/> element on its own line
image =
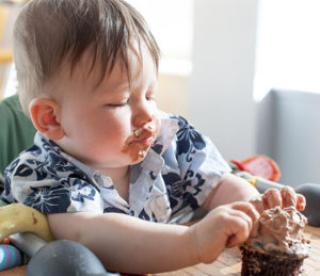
<point x="49" y="32"/>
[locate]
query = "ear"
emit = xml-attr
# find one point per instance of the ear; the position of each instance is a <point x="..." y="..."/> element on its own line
<point x="45" y="117"/>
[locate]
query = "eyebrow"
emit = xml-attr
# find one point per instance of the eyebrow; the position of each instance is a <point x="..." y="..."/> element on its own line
<point x="112" y="88"/>
<point x="119" y="85"/>
<point x="116" y="85"/>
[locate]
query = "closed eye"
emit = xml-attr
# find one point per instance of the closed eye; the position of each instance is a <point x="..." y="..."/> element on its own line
<point x="151" y="97"/>
<point x="115" y="105"/>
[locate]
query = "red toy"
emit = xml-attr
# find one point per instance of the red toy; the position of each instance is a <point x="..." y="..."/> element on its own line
<point x="259" y="165"/>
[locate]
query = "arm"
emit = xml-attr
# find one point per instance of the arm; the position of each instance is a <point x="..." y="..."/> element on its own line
<point x="128" y="244"/>
<point x="230" y="188"/>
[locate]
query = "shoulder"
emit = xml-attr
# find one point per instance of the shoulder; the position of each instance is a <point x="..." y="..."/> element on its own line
<point x="42" y="161"/>
<point x="174" y="120"/>
<point x="187" y="137"/>
<point x="41" y="177"/>
<point x="179" y="135"/>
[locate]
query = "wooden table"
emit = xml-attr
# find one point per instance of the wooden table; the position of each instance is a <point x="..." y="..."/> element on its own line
<point x="229" y="263"/>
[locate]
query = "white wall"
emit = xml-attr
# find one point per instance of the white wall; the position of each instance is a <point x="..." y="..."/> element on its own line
<point x="172" y="93"/>
<point x="221" y="92"/>
<point x="288" y="46"/>
<point x="288" y="59"/>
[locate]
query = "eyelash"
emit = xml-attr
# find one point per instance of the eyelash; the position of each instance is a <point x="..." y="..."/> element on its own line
<point x="117" y="105"/>
<point x="149" y="98"/>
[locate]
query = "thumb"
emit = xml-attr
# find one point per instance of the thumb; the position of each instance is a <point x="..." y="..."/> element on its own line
<point x="232" y="241"/>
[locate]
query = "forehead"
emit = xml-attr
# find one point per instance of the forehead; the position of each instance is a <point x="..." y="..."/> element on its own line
<point x="139" y="65"/>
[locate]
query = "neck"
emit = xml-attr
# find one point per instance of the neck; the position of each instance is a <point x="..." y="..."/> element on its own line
<point x="116" y="173"/>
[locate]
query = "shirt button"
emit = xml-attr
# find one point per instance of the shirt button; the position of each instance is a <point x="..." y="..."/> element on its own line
<point x="106" y="181"/>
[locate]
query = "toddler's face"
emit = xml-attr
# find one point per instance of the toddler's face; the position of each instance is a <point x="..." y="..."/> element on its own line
<point x="114" y="124"/>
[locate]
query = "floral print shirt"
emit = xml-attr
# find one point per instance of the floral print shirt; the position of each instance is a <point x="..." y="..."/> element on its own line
<point x="173" y="180"/>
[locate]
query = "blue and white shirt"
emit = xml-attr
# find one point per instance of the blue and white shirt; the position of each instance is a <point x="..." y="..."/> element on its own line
<point x="173" y="180"/>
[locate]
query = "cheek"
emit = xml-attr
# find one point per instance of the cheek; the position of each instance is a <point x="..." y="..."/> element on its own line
<point x="114" y="128"/>
<point x="75" y="118"/>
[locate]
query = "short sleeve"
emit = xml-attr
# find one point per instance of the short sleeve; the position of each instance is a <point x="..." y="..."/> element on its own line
<point x="35" y="185"/>
<point x="200" y="167"/>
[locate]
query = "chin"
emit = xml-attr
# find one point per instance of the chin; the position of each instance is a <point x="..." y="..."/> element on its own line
<point x="140" y="157"/>
<point x="136" y="161"/>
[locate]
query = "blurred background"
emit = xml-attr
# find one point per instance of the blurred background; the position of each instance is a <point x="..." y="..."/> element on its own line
<point x="244" y="72"/>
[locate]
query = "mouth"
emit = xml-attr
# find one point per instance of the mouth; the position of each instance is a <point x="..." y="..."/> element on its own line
<point x="145" y="141"/>
<point x="144" y="136"/>
<point x="138" y="148"/>
<point x="140" y="141"/>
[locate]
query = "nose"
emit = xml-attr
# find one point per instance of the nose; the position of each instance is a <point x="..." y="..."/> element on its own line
<point x="142" y="114"/>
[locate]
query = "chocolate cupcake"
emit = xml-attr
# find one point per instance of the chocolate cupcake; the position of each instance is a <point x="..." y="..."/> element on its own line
<point x="277" y="246"/>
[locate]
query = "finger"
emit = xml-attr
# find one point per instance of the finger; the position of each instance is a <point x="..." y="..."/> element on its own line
<point x="252" y="212"/>
<point x="241" y="215"/>
<point x="248" y="209"/>
<point x="233" y="241"/>
<point x="289" y="197"/>
<point x="271" y="198"/>
<point x="257" y="203"/>
<point x="241" y="227"/>
<point x="301" y="202"/>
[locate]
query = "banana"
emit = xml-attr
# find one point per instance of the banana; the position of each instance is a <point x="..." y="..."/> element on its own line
<point x="17" y="218"/>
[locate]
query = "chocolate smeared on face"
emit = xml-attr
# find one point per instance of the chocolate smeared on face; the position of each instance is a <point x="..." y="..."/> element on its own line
<point x="138" y="144"/>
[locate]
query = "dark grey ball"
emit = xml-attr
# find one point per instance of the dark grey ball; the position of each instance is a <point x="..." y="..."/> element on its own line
<point x="65" y="257"/>
<point x="311" y="191"/>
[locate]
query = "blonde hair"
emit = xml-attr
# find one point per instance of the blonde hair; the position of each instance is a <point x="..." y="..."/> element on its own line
<point x="49" y="32"/>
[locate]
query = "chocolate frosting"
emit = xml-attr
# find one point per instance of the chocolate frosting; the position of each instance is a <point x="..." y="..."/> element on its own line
<point x="280" y="230"/>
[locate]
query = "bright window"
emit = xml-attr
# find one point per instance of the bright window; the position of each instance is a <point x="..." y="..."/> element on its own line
<point x="171" y="22"/>
<point x="288" y="54"/>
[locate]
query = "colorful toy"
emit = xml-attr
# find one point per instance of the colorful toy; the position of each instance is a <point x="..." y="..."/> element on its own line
<point x="10" y="256"/>
<point x="259" y="165"/>
<point x="17" y="218"/>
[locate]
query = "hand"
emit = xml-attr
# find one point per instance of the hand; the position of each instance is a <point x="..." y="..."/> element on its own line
<point x="286" y="197"/>
<point x="226" y="226"/>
